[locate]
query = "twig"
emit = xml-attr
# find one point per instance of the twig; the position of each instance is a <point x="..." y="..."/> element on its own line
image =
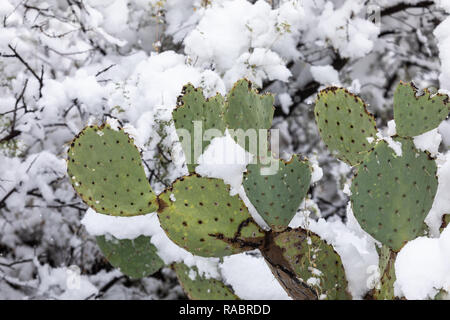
<point x="404" y="6"/>
<point x="104" y="70"/>
<point x="40" y="78"/>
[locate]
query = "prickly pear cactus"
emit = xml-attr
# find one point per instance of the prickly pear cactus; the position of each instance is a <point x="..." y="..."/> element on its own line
<point x="392" y="195"/>
<point x="104" y="167"/>
<point x="314" y="262"/>
<point x="199" y="215"/>
<point x="319" y="265"/>
<point x="136" y="258"/>
<point x="246" y="109"/>
<point x="345" y="125"/>
<point x="415" y="114"/>
<point x="277" y="197"/>
<point x="196" y="114"/>
<point x="385" y="289"/>
<point x="442" y="295"/>
<point x="198" y="287"/>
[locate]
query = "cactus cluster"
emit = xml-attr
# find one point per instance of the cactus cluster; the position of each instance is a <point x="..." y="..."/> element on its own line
<point x="391" y="194"/>
<point x="242" y="109"/>
<point x="198" y="213"/>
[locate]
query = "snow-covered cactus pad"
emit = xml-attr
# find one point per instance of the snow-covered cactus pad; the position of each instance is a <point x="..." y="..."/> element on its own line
<point x="136" y="258"/>
<point x="105" y="168"/>
<point x="198" y="287"/>
<point x="199" y="215"/>
<point x="246" y="109"/>
<point x="345" y="125"/>
<point x="314" y="262"/>
<point x="192" y="109"/>
<point x="278" y="196"/>
<point x="392" y="194"/>
<point x="416" y="114"/>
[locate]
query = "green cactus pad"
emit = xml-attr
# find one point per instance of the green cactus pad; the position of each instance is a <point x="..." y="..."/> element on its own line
<point x="104" y="167"/>
<point x="414" y="114"/>
<point x="392" y="195"/>
<point x="311" y="258"/>
<point x="344" y="124"/>
<point x="136" y="258"/>
<point x="200" y="288"/>
<point x="385" y="291"/>
<point x="246" y="109"/>
<point x="442" y="295"/>
<point x="199" y="215"/>
<point x="277" y="197"/>
<point x="192" y="106"/>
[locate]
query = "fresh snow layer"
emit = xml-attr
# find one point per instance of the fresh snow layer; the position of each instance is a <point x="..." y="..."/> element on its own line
<point x="285" y="101"/>
<point x="441" y="204"/>
<point x="227" y="160"/>
<point x="422" y="267"/>
<point x="73" y="285"/>
<point x="326" y="75"/>
<point x="255" y="42"/>
<point x="443" y="43"/>
<point x="251" y="278"/>
<point x="224" y="159"/>
<point x="317" y="172"/>
<point x="444" y="130"/>
<point x="429" y="141"/>
<point x="148" y="225"/>
<point x="391" y="128"/>
<point x="386" y="136"/>
<point x="444" y="4"/>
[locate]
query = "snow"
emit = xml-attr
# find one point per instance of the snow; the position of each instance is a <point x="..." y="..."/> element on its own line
<point x="148" y="225"/>
<point x="73" y="285"/>
<point x="422" y="267"/>
<point x="353" y="39"/>
<point x="443" y="43"/>
<point x="386" y="134"/>
<point x="248" y="46"/>
<point x="317" y="172"/>
<point x="285" y="102"/>
<point x="6" y="8"/>
<point x="444" y="4"/>
<point x="113" y="123"/>
<point x="391" y="128"/>
<point x="224" y="159"/>
<point x="444" y="130"/>
<point x="396" y="146"/>
<point x="227" y="160"/>
<point x="239" y="268"/>
<point x="347" y="189"/>
<point x="326" y="75"/>
<point x="429" y="141"/>
<point x="441" y="203"/>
